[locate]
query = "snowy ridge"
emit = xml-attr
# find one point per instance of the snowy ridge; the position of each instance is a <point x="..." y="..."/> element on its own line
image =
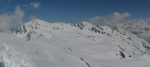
<point x="76" y="45"/>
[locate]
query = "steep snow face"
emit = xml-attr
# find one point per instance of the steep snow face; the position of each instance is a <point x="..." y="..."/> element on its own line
<point x="42" y="44"/>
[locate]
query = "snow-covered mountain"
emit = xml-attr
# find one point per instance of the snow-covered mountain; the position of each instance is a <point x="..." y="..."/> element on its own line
<point x="139" y="27"/>
<point x="42" y="44"/>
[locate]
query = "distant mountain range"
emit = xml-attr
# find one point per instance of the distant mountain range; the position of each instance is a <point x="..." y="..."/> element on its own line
<point x="139" y="27"/>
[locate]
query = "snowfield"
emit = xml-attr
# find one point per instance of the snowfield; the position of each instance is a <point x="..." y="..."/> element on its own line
<point x="41" y="44"/>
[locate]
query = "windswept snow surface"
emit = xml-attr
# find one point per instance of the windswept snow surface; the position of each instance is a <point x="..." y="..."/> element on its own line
<point x="66" y="45"/>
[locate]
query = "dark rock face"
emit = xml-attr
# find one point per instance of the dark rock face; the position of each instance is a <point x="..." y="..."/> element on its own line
<point x="21" y="29"/>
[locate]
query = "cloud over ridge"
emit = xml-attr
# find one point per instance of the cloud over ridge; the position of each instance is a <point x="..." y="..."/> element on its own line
<point x="115" y="18"/>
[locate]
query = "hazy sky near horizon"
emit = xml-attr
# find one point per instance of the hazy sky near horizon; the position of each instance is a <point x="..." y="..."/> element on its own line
<point x="75" y="10"/>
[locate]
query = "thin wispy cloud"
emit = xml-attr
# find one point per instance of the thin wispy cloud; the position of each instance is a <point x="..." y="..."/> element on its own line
<point x="35" y="4"/>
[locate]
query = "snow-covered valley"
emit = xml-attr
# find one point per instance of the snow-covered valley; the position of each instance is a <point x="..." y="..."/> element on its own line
<point x="42" y="44"/>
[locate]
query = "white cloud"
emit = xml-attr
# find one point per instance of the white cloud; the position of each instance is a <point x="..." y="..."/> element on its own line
<point x="35" y="4"/>
<point x="115" y="18"/>
<point x="11" y="21"/>
<point x="119" y="17"/>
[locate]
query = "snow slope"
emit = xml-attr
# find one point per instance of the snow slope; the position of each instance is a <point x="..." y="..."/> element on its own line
<point x="41" y="44"/>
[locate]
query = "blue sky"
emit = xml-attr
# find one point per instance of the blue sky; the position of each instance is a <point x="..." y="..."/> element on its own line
<point x="75" y="10"/>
